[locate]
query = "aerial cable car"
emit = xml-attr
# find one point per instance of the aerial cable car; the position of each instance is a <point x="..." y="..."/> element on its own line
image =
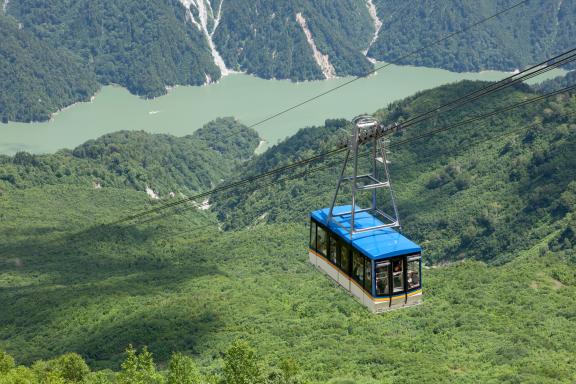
<point x="360" y="248"/>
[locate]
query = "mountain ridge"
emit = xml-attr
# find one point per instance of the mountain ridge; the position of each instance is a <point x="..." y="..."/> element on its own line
<point x="149" y="46"/>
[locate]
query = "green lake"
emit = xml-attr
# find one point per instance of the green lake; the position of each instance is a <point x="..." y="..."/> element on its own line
<point x="249" y="99"/>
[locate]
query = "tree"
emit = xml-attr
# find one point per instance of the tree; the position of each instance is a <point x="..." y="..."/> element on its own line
<point x="19" y="375"/>
<point x="100" y="377"/>
<point x="241" y="365"/>
<point x="567" y="200"/>
<point x="139" y="368"/>
<point x="290" y="369"/>
<point x="41" y="369"/>
<point x="183" y="370"/>
<point x="72" y="367"/>
<point x="46" y="374"/>
<point x="6" y="362"/>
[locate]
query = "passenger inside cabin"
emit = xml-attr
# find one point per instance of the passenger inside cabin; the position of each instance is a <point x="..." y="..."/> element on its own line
<point x="412" y="280"/>
<point x="382" y="285"/>
<point x="357" y="272"/>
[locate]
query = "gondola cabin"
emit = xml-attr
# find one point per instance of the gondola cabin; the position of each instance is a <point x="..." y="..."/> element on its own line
<point x="380" y="267"/>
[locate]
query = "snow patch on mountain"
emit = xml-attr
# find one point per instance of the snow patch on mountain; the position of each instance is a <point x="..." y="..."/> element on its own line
<point x="377" y="23"/>
<point x="207" y="19"/>
<point x="322" y="60"/>
<point x="558" y="8"/>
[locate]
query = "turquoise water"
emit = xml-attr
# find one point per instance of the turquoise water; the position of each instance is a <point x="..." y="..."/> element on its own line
<point x="249" y="99"/>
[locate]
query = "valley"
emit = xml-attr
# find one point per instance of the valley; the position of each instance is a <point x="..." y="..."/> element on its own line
<point x="159" y="161"/>
<point x="499" y="294"/>
<point x="245" y="97"/>
<point x="150" y="48"/>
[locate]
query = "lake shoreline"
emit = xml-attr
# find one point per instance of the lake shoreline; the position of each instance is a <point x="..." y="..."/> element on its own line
<point x="246" y="97"/>
<point x="170" y="88"/>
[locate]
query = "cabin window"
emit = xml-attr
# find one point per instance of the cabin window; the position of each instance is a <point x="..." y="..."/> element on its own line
<point x="413" y="275"/>
<point x="333" y="251"/>
<point x="313" y="235"/>
<point x="397" y="276"/>
<point x="338" y="253"/>
<point x="345" y="259"/>
<point x="358" y="267"/>
<point x="322" y="239"/>
<point x="368" y="274"/>
<point x="382" y="282"/>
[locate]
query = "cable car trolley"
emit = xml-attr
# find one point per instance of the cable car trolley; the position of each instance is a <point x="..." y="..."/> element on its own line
<point x="360" y="248"/>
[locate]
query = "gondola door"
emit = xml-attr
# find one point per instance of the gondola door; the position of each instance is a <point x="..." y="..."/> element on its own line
<point x="397" y="276"/>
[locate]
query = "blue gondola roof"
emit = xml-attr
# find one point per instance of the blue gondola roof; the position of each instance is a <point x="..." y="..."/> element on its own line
<point x="376" y="244"/>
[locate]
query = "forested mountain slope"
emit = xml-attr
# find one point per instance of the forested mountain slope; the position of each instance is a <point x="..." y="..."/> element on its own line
<point x="139" y="160"/>
<point x="484" y="190"/>
<point x="265" y="38"/>
<point x="147" y="46"/>
<point x="177" y="282"/>
<point x="35" y="78"/>
<point x="142" y="45"/>
<point x="526" y="35"/>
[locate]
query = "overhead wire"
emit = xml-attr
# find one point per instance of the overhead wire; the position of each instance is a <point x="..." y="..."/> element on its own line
<point x="436" y="42"/>
<point x="486" y="115"/>
<point x="436" y="131"/>
<point x="561" y="59"/>
<point x="529" y="73"/>
<point x="420" y="158"/>
<point x="392" y="62"/>
<point x="468" y="98"/>
<point x="275" y="182"/>
<point x="394" y="145"/>
<point x="229" y="186"/>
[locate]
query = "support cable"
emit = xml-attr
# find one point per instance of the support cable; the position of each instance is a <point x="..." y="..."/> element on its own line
<point x="272" y="172"/>
<point x="397" y="61"/>
<point x="421" y="136"/>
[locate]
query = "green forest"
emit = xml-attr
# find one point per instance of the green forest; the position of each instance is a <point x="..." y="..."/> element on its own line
<point x="35" y="78"/>
<point x="137" y="160"/>
<point x="277" y="48"/>
<point x="143" y="46"/>
<point x="226" y="295"/>
<point x="522" y="37"/>
<point x="147" y="46"/>
<point x="59" y="52"/>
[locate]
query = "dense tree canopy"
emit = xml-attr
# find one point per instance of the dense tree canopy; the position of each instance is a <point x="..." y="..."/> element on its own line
<point x="480" y="190"/>
<point x="264" y="38"/>
<point x="244" y="305"/>
<point x="140" y="160"/>
<point x="526" y="35"/>
<point x="142" y="45"/>
<point x="36" y="79"/>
